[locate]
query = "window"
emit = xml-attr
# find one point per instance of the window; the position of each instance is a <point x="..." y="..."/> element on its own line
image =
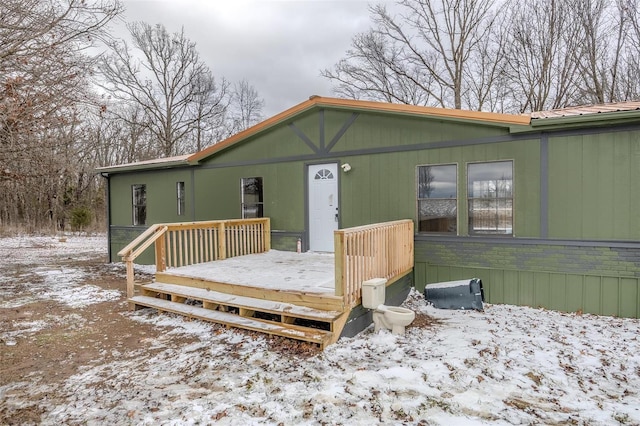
<point x="437" y="198"/>
<point x="490" y="193"/>
<point x="180" y="197"/>
<point x="324" y="174"/>
<point x="139" y="202"/>
<point x="252" y="202"/>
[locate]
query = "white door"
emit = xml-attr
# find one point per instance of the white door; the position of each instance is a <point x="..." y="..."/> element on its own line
<point x="323" y="206"/>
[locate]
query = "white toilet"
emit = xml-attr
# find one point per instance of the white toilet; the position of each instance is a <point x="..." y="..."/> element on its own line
<point x="390" y="317"/>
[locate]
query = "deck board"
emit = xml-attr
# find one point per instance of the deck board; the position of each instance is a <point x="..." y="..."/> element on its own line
<point x="243" y="301"/>
<point x="273" y="270"/>
<point x="300" y="333"/>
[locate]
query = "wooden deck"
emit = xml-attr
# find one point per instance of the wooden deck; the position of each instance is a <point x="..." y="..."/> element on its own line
<point x="225" y="272"/>
<point x="279" y="293"/>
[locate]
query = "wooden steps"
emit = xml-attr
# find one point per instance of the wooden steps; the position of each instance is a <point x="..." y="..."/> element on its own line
<point x="271" y="317"/>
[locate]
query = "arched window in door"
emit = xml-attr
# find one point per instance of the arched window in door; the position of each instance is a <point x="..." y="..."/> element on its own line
<point x="323" y="174"/>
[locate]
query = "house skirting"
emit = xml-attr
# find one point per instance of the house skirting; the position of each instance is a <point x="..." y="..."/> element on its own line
<point x="589" y="276"/>
<point x="593" y="277"/>
<point x="120" y="236"/>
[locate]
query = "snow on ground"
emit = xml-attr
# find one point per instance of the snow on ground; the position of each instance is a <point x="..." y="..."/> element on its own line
<point x="506" y="365"/>
<point x="47" y="264"/>
<point x="46" y="249"/>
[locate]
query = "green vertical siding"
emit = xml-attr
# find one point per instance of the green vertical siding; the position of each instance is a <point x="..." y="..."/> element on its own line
<point x="592" y="197"/>
<point x="598" y="295"/>
<point x="596" y="279"/>
<point x="161" y="196"/>
<point x="382" y="187"/>
<point x="592" y="186"/>
<point x="279" y="142"/>
<point x="629" y="297"/>
<point x="218" y="193"/>
<point x="371" y="130"/>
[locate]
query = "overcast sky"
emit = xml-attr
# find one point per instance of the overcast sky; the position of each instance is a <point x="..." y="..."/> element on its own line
<point x="277" y="46"/>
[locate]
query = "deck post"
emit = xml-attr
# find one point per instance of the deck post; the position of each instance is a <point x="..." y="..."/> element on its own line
<point x="130" y="277"/>
<point x="267" y="234"/>
<point x="339" y="255"/>
<point x="222" y="241"/>
<point x="161" y="255"/>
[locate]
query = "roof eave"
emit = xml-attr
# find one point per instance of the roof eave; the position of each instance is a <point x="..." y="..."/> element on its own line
<point x="140" y="167"/>
<point x="597" y="119"/>
<point x="251" y="131"/>
<point x="486" y="118"/>
<point x="481" y="117"/>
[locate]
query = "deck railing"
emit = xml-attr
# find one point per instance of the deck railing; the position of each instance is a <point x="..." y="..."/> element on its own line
<point x="382" y="250"/>
<point x="182" y="244"/>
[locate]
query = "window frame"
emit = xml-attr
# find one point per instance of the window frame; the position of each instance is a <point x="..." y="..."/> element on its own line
<point x="180" y="198"/>
<point x="420" y="199"/>
<point x="245" y="205"/>
<point x="508" y="230"/>
<point x="139" y="211"/>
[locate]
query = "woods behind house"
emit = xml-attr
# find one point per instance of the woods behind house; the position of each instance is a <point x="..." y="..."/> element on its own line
<point x="73" y="97"/>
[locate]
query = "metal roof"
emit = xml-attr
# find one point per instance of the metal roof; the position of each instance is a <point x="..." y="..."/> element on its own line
<point x="154" y="163"/>
<point x="586" y="110"/>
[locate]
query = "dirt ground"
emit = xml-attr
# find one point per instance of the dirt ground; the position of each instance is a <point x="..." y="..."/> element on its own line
<point x="74" y="339"/>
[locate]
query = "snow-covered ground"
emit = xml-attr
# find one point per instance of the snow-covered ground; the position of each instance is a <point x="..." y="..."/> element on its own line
<point x="506" y="365"/>
<point x="47" y="268"/>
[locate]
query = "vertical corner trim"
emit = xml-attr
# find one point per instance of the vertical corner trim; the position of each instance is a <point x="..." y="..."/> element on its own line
<point x="544" y="186"/>
<point x="193" y="194"/>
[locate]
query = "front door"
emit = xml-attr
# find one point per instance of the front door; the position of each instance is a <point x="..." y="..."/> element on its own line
<point x="323" y="206"/>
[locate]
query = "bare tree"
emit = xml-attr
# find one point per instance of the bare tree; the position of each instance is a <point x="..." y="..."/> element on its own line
<point x="542" y="71"/>
<point x="600" y="53"/>
<point x="45" y="71"/>
<point x="112" y="140"/>
<point x="31" y="28"/>
<point x="166" y="82"/>
<point x="422" y="56"/>
<point x="246" y="106"/>
<point x="486" y="74"/>
<point x="209" y="108"/>
<point x="508" y="56"/>
<point x="629" y="82"/>
<point x="374" y="68"/>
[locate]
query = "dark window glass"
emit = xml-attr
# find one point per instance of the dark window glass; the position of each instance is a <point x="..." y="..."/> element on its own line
<point x="490" y="198"/>
<point x="438" y="198"/>
<point x="180" y="197"/>
<point x="139" y="196"/>
<point x="252" y="198"/>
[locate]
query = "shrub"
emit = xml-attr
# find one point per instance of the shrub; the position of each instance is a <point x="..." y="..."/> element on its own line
<point x="80" y="218"/>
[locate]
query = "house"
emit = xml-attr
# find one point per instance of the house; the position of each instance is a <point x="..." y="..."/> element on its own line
<point x="544" y="208"/>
